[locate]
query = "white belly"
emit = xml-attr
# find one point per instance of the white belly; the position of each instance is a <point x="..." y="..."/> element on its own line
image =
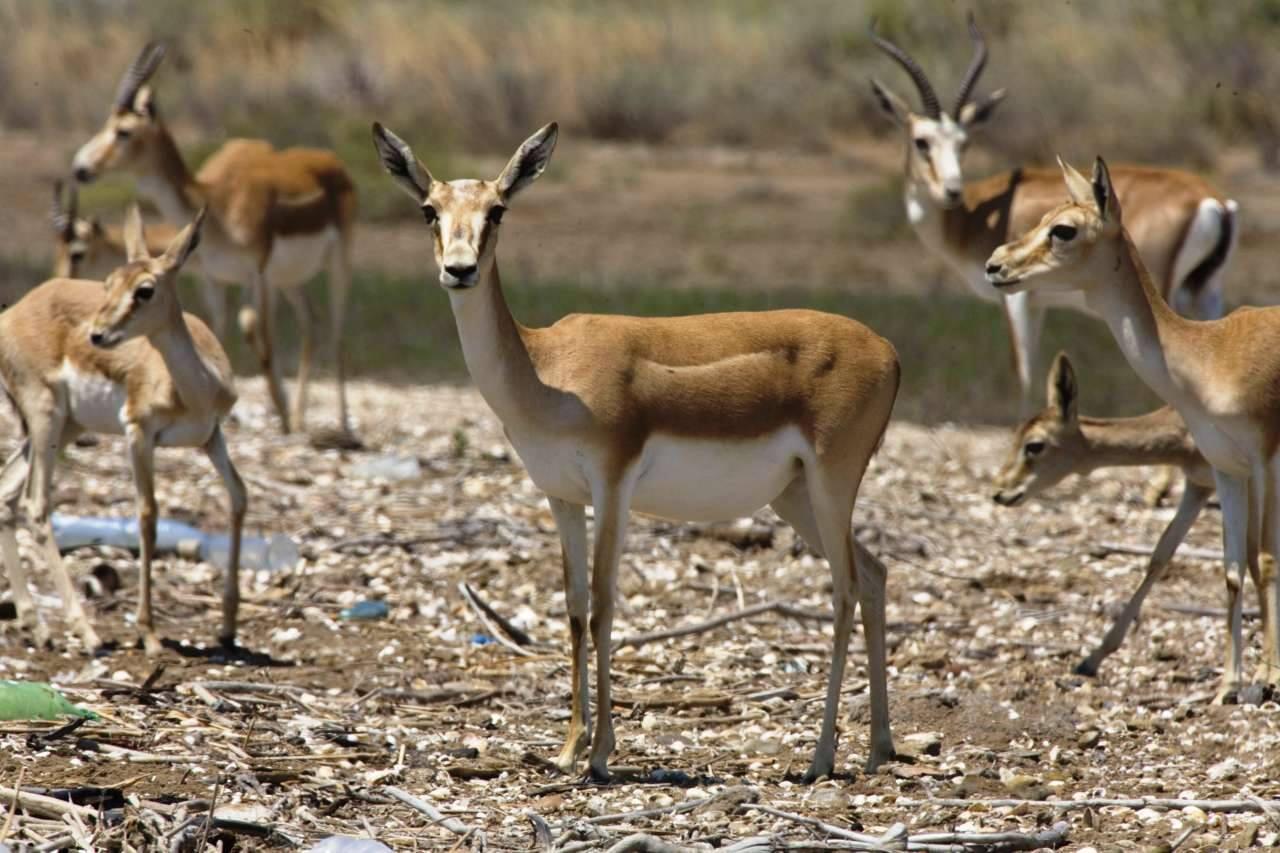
<point x="558" y="467"/>
<point x="96" y="403"/>
<point x="297" y="258"/>
<point x="1225" y="449"/>
<point x="694" y="479"/>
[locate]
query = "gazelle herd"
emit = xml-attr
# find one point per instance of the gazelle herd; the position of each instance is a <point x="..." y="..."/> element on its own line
<point x="693" y="418"/>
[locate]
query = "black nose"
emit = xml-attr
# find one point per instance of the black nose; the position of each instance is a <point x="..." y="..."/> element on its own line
<point x="83" y="175"/>
<point x="97" y="338"/>
<point x="992" y="269"/>
<point x="953" y="195"/>
<point x="461" y="273"/>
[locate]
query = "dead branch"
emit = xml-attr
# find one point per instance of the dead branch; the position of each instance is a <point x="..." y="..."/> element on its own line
<point x="779" y="607"/>
<point x="517" y="636"/>
<point x="492" y="629"/>
<point x="452" y="824"/>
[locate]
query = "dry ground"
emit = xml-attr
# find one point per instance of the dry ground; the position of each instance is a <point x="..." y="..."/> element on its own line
<point x="989" y="609"/>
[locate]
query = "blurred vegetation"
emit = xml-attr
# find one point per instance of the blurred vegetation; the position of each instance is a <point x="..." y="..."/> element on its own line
<point x="1188" y="74"/>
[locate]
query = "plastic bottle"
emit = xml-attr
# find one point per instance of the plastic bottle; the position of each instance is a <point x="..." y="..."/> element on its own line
<point x="273" y="553"/>
<point x="347" y="844"/>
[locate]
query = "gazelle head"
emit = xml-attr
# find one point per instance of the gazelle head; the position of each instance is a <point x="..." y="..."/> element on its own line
<point x="75" y="239"/>
<point x="464" y="215"/>
<point x="1060" y="253"/>
<point x="128" y="137"/>
<point x="142" y="295"/>
<point x="1049" y="446"/>
<point x="936" y="139"/>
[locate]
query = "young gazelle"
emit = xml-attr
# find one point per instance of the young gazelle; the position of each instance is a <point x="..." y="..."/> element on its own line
<point x="75" y="358"/>
<point x="274" y="217"/>
<point x="1222" y="376"/>
<point x="1184" y="228"/>
<point x="697" y="418"/>
<point x="84" y="247"/>
<point x="1059" y="442"/>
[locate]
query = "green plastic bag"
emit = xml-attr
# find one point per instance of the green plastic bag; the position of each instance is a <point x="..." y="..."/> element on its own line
<point x="36" y="700"/>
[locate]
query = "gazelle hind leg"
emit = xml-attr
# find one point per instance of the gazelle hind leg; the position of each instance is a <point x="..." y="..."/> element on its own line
<point x="1193" y="500"/>
<point x="571" y="524"/>
<point x="856" y="577"/>
<point x="12" y="478"/>
<point x="1233" y="494"/>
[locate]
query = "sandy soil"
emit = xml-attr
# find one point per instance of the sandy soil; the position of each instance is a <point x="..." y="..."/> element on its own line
<point x="989" y="610"/>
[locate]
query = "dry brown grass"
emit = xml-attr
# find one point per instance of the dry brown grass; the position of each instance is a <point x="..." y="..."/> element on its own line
<point x="1167" y="80"/>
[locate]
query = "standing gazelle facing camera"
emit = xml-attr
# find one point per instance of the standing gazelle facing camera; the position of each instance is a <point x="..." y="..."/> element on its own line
<point x="696" y="418"/>
<point x="1222" y="376"/>
<point x="125" y="361"/>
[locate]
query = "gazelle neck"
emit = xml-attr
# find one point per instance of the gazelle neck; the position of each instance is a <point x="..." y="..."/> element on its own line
<point x="497" y="357"/>
<point x="167" y="183"/>
<point x="1141" y="321"/>
<point x="1156" y="438"/>
<point x="198" y="385"/>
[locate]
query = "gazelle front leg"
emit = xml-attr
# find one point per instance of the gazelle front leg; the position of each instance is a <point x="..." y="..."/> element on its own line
<point x="304" y="314"/>
<point x="47" y="426"/>
<point x="1233" y="494"/>
<point x="339" y="285"/>
<point x="1193" y="500"/>
<point x="12" y="478"/>
<point x="611" y="509"/>
<point x="1025" y="318"/>
<point x="142" y="458"/>
<point x="572" y="526"/>
<point x="255" y="324"/>
<point x="216" y="449"/>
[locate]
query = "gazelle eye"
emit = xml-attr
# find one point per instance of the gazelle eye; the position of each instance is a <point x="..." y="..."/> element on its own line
<point x="495" y="214"/>
<point x="922" y="145"/>
<point x="144" y="293"/>
<point x="429" y="214"/>
<point x="1065" y="233"/>
<point x="1033" y="449"/>
<point x="122" y="133"/>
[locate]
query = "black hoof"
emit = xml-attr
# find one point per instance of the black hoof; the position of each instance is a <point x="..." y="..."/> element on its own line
<point x="1086" y="668"/>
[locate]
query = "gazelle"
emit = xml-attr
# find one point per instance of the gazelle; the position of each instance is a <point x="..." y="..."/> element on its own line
<point x="696" y="418"/>
<point x="1222" y="376"/>
<point x="1059" y="442"/>
<point x="84" y="247"/>
<point x="75" y="358"/>
<point x="274" y="218"/>
<point x="1183" y="227"/>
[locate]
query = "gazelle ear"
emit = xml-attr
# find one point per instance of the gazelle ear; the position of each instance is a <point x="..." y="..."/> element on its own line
<point x="180" y="249"/>
<point x="979" y="112"/>
<point x="1104" y="193"/>
<point x="890" y="103"/>
<point x="135" y="240"/>
<point x="1080" y="190"/>
<point x="404" y="168"/>
<point x="529" y="161"/>
<point x="1063" y="393"/>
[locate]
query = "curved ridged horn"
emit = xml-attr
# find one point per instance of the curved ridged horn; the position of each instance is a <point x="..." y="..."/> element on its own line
<point x="928" y="97"/>
<point x="139" y="72"/>
<point x="976" y="65"/>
